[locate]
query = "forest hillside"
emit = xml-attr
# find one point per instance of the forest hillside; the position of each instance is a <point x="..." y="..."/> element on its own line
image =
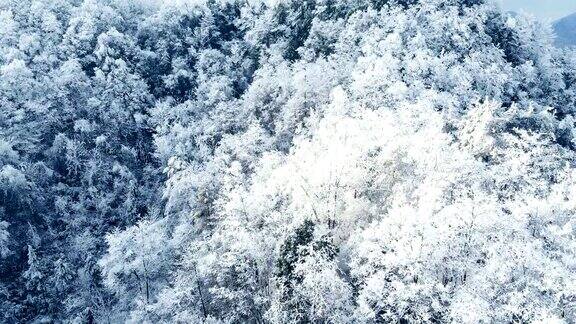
<point x="288" y="161"/>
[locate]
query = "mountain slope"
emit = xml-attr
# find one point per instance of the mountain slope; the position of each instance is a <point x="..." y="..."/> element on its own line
<point x="565" y="30"/>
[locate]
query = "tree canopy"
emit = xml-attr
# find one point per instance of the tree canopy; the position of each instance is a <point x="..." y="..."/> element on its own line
<point x="325" y="161"/>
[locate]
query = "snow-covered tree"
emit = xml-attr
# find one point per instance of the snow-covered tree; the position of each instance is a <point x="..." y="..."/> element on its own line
<point x="329" y="161"/>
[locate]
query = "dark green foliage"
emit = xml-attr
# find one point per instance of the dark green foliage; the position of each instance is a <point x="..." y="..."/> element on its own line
<point x="292" y="252"/>
<point x="295" y="19"/>
<point x="505" y="38"/>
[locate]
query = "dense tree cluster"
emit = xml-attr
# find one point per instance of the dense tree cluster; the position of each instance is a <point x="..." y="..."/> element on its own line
<point x="289" y="161"/>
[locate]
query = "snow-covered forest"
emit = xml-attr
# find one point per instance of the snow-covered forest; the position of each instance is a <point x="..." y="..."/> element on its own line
<point x="289" y="161"/>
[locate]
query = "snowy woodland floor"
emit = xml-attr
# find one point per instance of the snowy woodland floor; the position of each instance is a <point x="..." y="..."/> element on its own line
<point x="289" y="161"/>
